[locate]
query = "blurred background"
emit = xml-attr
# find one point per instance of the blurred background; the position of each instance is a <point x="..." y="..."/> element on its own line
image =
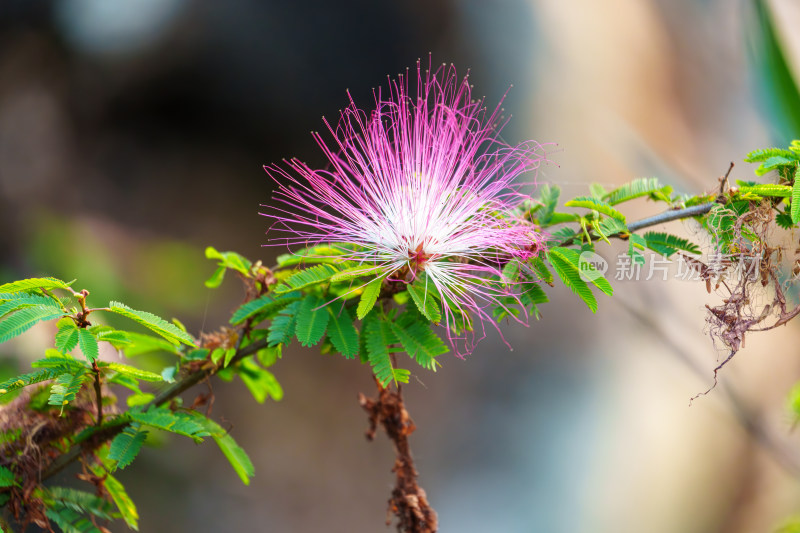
<point x="132" y="135"/>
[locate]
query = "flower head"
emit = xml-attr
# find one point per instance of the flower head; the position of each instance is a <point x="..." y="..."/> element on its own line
<point x="422" y="184"/>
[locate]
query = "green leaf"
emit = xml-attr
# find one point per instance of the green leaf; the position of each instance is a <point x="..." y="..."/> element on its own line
<point x="548" y="195"/>
<point x="67" y="335"/>
<point x="424" y="301"/>
<point x="569" y="274"/>
<point x="772" y="163"/>
<point x="155" y="323"/>
<point x="324" y="253"/>
<point x="121" y="499"/>
<point x="541" y="269"/>
<point x="33" y="284"/>
<point x="260" y="382"/>
<point x="307" y="278"/>
<point x="796" y="197"/>
<point x="216" y="278"/>
<point x="774" y="73"/>
<point x="417" y="339"/>
<point x="174" y="421"/>
<point x="23" y="300"/>
<point x="133" y="372"/>
<point x="7" y="478"/>
<point x="65" y="389"/>
<point x="597" y="205"/>
<point x="368" y="298"/>
<point x="88" y="344"/>
<point x="118" y="339"/>
<point x="353" y="273"/>
<point x="634" y="189"/>
<point x="666" y="244"/>
<point x="17" y="382"/>
<point x="24" y="319"/>
<point x="379" y="338"/>
<point x="263" y="306"/>
<point x="141" y="343"/>
<point x="68" y="520"/>
<point x="597" y="190"/>
<point x="342" y="333"/>
<point x="611" y="226"/>
<point x="767" y="189"/>
<point x="230" y="260"/>
<point x="312" y="319"/>
<point x="281" y="330"/>
<point x="126" y="445"/>
<point x="759" y="156"/>
<point x="235" y="454"/>
<point x="79" y="501"/>
<point x="597" y="280"/>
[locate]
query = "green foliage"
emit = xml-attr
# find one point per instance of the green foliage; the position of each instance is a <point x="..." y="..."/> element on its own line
<point x="666" y="244"/>
<point x="369" y="296"/>
<point x="636" y="243"/>
<point x="22" y="320"/>
<point x="24" y="380"/>
<point x="779" y="86"/>
<point x="88" y="345"/>
<point x="263" y="307"/>
<point x="548" y="196"/>
<point x="126" y="445"/>
<point x="65" y="388"/>
<point x="323" y="253"/>
<point x="760" y="156"/>
<point x="342" y="333"/>
<point x="227" y="260"/>
<point x="125" y="506"/>
<point x="132" y="371"/>
<point x="353" y="273"/>
<point x="307" y="278"/>
<point x="423" y="298"/>
<point x="155" y="323"/>
<point x="7" y="478"/>
<point x="636" y="189"/>
<point x="378" y="340"/>
<point x="178" y="422"/>
<point x="312" y="320"/>
<point x="33" y="284"/>
<point x="282" y="328"/>
<point x="767" y="189"/>
<point x="540" y="267"/>
<point x="260" y="382"/>
<point x="235" y="454"/>
<point x="596" y="205"/>
<point x="66" y="507"/>
<point x="568" y="272"/>
<point x="796" y="197"/>
<point x="417" y="339"/>
<point x="67" y="335"/>
<point x="141" y="343"/>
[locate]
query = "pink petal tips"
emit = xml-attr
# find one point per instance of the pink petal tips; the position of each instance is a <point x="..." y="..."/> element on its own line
<point x="422" y="184"/>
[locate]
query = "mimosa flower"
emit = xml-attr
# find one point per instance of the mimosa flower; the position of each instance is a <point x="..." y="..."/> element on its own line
<point x="421" y="184"/>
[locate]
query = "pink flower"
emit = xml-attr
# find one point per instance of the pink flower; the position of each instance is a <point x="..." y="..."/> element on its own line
<point x="421" y="184"/>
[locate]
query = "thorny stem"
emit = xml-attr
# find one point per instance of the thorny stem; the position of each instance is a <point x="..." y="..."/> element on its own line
<point x="408" y="502"/>
<point x="98" y="391"/>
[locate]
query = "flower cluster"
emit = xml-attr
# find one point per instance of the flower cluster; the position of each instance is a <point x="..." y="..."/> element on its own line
<point x="421" y="184"/>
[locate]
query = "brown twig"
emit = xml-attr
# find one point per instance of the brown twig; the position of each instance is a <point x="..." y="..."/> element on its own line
<point x="408" y="502"/>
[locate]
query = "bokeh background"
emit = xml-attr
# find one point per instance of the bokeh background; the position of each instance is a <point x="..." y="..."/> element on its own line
<point x="132" y="135"/>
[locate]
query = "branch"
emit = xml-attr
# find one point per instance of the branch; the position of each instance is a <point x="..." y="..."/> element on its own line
<point x="103" y="433"/>
<point x="669" y="216"/>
